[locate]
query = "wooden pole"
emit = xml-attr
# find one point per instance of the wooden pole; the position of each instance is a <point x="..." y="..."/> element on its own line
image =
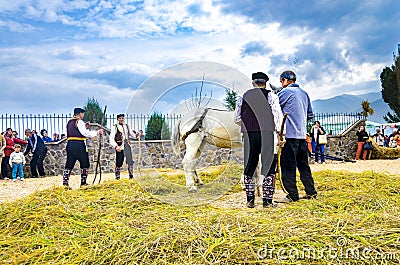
<point x="98" y="162"/>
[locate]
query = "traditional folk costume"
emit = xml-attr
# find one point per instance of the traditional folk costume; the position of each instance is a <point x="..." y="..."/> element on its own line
<point x="76" y="147"/>
<point x="260" y="115"/>
<point x="120" y="136"/>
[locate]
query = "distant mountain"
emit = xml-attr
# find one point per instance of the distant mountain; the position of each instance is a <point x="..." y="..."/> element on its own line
<point x="352" y="103"/>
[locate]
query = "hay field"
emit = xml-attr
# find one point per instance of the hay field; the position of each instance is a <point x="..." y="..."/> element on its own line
<point x="355" y="220"/>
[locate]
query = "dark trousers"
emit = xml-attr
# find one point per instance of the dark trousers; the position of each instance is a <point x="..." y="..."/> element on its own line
<point x="127" y="152"/>
<point x="37" y="162"/>
<point x="5" y="166"/>
<point x="256" y="143"/>
<point x="295" y="155"/>
<point x="76" y="150"/>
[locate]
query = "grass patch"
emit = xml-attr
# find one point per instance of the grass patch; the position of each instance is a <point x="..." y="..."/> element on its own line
<point x="118" y="223"/>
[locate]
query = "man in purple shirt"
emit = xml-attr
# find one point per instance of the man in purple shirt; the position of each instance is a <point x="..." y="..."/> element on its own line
<point x="296" y="102"/>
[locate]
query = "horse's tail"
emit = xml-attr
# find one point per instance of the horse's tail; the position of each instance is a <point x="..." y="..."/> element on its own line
<point x="176" y="138"/>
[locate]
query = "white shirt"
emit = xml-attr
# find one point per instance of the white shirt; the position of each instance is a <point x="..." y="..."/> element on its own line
<point x="17" y="158"/>
<point x="126" y="132"/>
<point x="85" y="132"/>
<point x="273" y="101"/>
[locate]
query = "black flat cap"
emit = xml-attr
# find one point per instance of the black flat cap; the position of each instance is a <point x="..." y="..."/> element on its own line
<point x="78" y="110"/>
<point x="259" y="75"/>
<point x="120" y="115"/>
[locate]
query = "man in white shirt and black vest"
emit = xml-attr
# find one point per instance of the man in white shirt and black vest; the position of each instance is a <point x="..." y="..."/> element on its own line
<point x="76" y="146"/>
<point x="119" y="140"/>
<point x="258" y="127"/>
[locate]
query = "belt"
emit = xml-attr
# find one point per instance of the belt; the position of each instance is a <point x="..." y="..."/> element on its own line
<point x="76" y="138"/>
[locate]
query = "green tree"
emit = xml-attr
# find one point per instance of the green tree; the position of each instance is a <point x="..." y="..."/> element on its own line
<point x="366" y="108"/>
<point x="93" y="111"/>
<point x="390" y="82"/>
<point x="230" y="99"/>
<point x="157" y="128"/>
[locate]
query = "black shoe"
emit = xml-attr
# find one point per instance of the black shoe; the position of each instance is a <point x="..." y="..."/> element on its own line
<point x="270" y="205"/>
<point x="66" y="186"/>
<point x="117" y="178"/>
<point x="285" y="199"/>
<point x="131" y="176"/>
<point x="309" y="197"/>
<point x="85" y="184"/>
<point x="250" y="204"/>
<point x="250" y="201"/>
<point x="267" y="203"/>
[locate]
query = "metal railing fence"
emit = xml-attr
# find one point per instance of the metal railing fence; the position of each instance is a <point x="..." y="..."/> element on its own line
<point x="56" y="123"/>
<point x="333" y="123"/>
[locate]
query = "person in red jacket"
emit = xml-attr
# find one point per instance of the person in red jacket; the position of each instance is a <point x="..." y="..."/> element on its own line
<point x="10" y="140"/>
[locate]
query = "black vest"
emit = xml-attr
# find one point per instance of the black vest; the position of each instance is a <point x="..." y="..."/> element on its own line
<point x="73" y="132"/>
<point x="118" y="135"/>
<point x="256" y="113"/>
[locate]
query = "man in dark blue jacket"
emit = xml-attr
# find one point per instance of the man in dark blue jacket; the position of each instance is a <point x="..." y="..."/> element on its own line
<point x="39" y="150"/>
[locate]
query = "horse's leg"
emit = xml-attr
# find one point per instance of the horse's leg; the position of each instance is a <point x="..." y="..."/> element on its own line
<point x="197" y="179"/>
<point x="189" y="162"/>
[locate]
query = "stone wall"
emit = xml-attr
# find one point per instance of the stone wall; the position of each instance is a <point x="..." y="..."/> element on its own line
<point x="153" y="154"/>
<point x="159" y="154"/>
<point x="344" y="145"/>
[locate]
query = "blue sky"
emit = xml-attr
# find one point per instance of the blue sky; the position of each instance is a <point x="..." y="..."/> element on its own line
<point x="55" y="54"/>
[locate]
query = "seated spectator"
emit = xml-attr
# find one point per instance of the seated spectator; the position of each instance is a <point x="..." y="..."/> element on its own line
<point x="45" y="137"/>
<point x="396" y="139"/>
<point x="55" y="137"/>
<point x="62" y="135"/>
<point x="378" y="137"/>
<point x="392" y="135"/>
<point x="386" y="142"/>
<point x="141" y="135"/>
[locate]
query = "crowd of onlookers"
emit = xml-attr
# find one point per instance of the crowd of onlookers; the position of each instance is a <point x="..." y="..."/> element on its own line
<point x="393" y="140"/>
<point x="12" y="158"/>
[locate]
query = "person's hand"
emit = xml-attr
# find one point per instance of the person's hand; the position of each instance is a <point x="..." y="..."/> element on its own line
<point x="282" y="142"/>
<point x="100" y="132"/>
<point x="30" y="154"/>
<point x="118" y="148"/>
<point x="87" y="125"/>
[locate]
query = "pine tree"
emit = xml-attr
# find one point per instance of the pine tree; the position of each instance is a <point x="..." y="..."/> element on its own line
<point x="93" y="111"/>
<point x="390" y="81"/>
<point x="230" y="99"/>
<point x="157" y="128"/>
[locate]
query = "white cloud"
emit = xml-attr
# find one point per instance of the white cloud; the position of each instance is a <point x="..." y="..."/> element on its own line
<point x="16" y="26"/>
<point x="102" y="43"/>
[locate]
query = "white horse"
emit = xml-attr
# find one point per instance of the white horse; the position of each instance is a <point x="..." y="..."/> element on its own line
<point x="201" y="126"/>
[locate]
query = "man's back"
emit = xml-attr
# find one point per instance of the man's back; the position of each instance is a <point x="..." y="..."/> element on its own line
<point x="296" y="102"/>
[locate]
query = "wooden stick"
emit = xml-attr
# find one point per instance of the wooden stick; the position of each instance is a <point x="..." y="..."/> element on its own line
<point x="98" y="162"/>
<point x="278" y="171"/>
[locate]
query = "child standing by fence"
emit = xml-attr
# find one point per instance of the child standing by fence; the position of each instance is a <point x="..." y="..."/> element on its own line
<point x="17" y="160"/>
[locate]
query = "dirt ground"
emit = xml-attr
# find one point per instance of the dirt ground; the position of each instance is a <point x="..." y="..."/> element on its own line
<point x="10" y="191"/>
